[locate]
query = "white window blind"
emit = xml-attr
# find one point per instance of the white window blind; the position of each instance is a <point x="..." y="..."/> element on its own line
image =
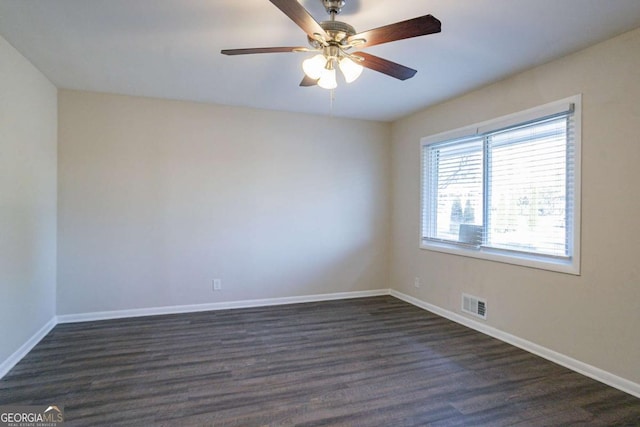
<point x="456" y="188"/>
<point x="528" y="208"/>
<point x="509" y="191"/>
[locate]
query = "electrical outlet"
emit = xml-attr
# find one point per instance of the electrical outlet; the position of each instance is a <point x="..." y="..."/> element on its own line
<point x="217" y="284"/>
<point x="416" y="282"/>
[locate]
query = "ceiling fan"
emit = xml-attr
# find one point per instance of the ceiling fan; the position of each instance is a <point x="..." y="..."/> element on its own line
<point x="335" y="40"/>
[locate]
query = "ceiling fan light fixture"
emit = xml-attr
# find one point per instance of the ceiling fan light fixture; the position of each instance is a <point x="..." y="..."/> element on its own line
<point x="314" y="66"/>
<point x="328" y="78"/>
<point x="350" y="69"/>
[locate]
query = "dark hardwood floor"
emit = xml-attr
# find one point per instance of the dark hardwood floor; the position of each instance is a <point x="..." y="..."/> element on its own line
<point x="361" y="362"/>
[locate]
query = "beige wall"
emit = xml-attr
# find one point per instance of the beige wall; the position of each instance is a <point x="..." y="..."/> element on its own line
<point x="595" y="317"/>
<point x="28" y="123"/>
<point x="157" y="198"/>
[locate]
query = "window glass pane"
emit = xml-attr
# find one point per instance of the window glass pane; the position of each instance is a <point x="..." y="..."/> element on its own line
<point x="456" y="191"/>
<point x="527" y="200"/>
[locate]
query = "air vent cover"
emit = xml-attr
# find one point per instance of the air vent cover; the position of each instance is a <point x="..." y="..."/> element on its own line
<point x="474" y="305"/>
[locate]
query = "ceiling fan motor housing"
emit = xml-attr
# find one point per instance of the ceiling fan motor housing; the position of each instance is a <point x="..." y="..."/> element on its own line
<point x="337" y="31"/>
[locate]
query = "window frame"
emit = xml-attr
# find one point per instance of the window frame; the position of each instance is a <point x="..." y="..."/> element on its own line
<point x="571" y="264"/>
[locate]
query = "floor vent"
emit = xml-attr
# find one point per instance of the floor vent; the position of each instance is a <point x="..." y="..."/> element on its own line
<point x="474" y="305"/>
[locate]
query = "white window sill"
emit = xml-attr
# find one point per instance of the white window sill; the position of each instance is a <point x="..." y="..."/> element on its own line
<point x="560" y="265"/>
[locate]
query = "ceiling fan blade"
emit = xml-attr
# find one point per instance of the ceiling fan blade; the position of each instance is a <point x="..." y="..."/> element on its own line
<point x="262" y="50"/>
<point x="298" y="14"/>
<point x="385" y="66"/>
<point x="420" y="26"/>
<point x="308" y="81"/>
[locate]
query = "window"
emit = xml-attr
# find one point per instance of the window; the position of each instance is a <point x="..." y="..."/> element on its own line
<point x="508" y="189"/>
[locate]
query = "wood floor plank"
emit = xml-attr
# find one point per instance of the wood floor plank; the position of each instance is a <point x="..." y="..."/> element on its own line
<point x="362" y="362"/>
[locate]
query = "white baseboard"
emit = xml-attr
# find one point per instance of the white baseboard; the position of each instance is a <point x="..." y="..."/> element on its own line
<point x="17" y="356"/>
<point x="154" y="311"/>
<point x="566" y="361"/>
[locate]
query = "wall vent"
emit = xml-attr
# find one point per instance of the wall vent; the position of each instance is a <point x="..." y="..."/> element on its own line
<point x="474" y="305"/>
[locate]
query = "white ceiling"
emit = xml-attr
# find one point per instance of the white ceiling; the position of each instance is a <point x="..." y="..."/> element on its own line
<point x="171" y="48"/>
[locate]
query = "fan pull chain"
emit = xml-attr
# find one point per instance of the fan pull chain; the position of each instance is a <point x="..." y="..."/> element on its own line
<point x="332" y="97"/>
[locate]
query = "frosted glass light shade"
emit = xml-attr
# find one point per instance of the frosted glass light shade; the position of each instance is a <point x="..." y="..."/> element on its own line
<point x="314" y="66"/>
<point x="328" y="79"/>
<point x="350" y="69"/>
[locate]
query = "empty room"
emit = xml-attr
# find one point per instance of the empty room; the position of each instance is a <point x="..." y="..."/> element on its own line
<point x="319" y="213"/>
